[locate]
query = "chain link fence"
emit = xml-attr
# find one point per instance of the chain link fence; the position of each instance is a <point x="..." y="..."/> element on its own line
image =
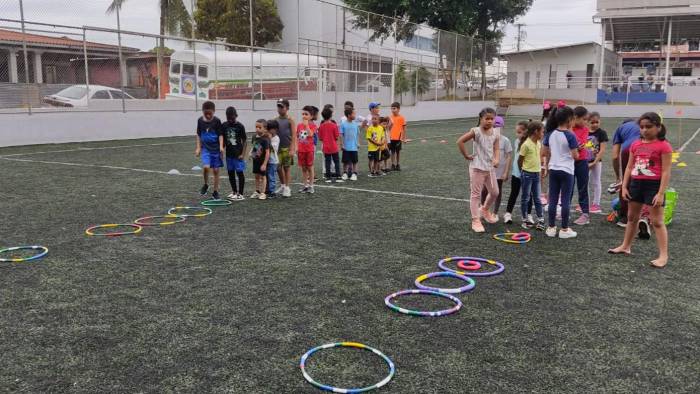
<point x="73" y="55"/>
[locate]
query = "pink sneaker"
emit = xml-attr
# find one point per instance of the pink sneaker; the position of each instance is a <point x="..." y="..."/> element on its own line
<point x="583" y="220"/>
<point x="478" y="227"/>
<point x="489" y="217"/>
<point x="596" y="209"/>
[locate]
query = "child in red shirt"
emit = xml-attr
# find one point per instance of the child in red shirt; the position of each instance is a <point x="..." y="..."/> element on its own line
<point x="646" y="179"/>
<point x="306" y="149"/>
<point x="329" y="134"/>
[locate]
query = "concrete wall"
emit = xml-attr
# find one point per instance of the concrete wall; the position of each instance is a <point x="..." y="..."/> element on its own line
<point x="684" y="94"/>
<point x="81" y="126"/>
<point x="619" y="111"/>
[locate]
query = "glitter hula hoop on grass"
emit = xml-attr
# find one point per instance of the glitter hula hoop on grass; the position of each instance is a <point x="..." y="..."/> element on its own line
<point x="302" y="365"/>
<point x="444" y="312"/>
<point x="469" y="286"/>
<point x="216" y="203"/>
<point x="204" y="211"/>
<point x="443" y="266"/>
<point x="513" y="238"/>
<point x="148" y="220"/>
<point x="43" y="252"/>
<point x="135" y="230"/>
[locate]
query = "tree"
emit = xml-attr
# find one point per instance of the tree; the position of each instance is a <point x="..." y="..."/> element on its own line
<point x="401" y="81"/>
<point x="482" y="20"/>
<point x="420" y="81"/>
<point x="229" y="19"/>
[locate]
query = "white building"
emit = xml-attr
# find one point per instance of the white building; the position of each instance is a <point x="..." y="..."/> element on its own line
<point x="560" y="67"/>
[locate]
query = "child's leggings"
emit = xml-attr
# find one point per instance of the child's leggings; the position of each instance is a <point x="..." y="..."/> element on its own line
<point x="561" y="183"/>
<point x="594" y="181"/>
<point x="237" y="189"/>
<point x="478" y="179"/>
<point x="335" y="158"/>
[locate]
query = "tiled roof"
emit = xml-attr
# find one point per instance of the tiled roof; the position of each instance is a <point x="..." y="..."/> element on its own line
<point x="16" y="37"/>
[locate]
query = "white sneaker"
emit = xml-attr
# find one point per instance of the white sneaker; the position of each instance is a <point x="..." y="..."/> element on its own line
<point x="232" y="197"/>
<point x="279" y="189"/>
<point x="568" y="233"/>
<point x="240" y="197"/>
<point x="255" y="195"/>
<point x="311" y="190"/>
<point x="344" y="177"/>
<point x="530" y="218"/>
<point x="551" y="232"/>
<point x="353" y="177"/>
<point x="262" y="196"/>
<point x="507" y="218"/>
<point x="287" y="192"/>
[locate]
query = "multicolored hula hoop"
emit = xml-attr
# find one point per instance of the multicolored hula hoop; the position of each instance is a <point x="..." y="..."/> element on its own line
<point x="207" y="212"/>
<point x="216" y="203"/>
<point x="513" y="238"/>
<point x="302" y="365"/>
<point x="470" y="282"/>
<point x="136" y="229"/>
<point x="469" y="265"/>
<point x="44" y="252"/>
<point x="148" y="220"/>
<point x="443" y="266"/>
<point x="445" y="312"/>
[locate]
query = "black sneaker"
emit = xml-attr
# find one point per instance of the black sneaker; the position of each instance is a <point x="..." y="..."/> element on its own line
<point x="271" y="195"/>
<point x="215" y="195"/>
<point x="398" y="167"/>
<point x="622" y="222"/>
<point x="203" y="190"/>
<point x="393" y="167"/>
<point x="644" y="228"/>
<point x="540" y="225"/>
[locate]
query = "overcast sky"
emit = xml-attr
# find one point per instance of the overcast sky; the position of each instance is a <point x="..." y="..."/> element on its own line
<point x="549" y="22"/>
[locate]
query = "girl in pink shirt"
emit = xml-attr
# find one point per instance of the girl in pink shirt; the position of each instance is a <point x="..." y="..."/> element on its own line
<point x="646" y="179"/>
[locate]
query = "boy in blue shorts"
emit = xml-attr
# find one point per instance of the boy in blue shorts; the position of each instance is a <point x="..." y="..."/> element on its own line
<point x="349" y="131"/>
<point x="235" y="141"/>
<point x="210" y="147"/>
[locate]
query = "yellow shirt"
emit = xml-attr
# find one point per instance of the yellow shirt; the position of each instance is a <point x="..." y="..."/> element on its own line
<point x="531" y="152"/>
<point x="375" y="133"/>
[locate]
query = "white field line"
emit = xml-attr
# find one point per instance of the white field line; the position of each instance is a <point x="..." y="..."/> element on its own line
<point x="415" y="195"/>
<point x="95" y="148"/>
<point x="692" y="137"/>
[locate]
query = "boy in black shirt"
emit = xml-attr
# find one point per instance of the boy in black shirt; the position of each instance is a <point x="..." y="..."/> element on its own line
<point x="210" y="147"/>
<point x="236" y="144"/>
<point x="261" y="156"/>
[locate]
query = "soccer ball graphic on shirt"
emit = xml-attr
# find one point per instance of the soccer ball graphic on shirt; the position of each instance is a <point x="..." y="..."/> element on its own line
<point x="303" y="135"/>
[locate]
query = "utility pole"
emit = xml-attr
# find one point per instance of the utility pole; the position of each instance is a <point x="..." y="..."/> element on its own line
<point x="521" y="34"/>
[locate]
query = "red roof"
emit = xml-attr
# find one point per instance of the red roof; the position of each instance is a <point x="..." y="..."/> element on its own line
<point x="16" y="37"/>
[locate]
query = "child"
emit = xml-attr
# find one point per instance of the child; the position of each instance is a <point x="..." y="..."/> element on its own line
<point x="597" y="141"/>
<point x="529" y="162"/>
<point x="236" y="143"/>
<point x="374" y="109"/>
<point x="506" y="156"/>
<point x="329" y="134"/>
<point x="261" y="158"/>
<point x="350" y="130"/>
<point x="306" y="150"/>
<point x="376" y="140"/>
<point x="481" y="172"/>
<point x="646" y="178"/>
<point x="210" y="147"/>
<point x="560" y="151"/>
<point x="515" y="182"/>
<point x="398" y="136"/>
<point x="581" y="132"/>
<point x="288" y="146"/>
<point x="386" y="152"/>
<point x="272" y="128"/>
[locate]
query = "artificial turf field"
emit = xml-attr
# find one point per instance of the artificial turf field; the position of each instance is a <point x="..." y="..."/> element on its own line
<point x="230" y="302"/>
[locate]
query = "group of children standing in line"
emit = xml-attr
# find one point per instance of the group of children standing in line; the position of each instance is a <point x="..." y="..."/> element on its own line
<point x="566" y="150"/>
<point x="278" y="141"/>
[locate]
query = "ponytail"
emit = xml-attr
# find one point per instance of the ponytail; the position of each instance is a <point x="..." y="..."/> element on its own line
<point x="558" y="117"/>
<point x="532" y="128"/>
<point x="655" y="119"/>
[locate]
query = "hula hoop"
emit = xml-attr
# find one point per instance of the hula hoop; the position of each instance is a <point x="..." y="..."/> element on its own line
<point x="148" y="220"/>
<point x="136" y="229"/>
<point x="513" y="238"/>
<point x="44" y="252"/>
<point x="207" y="212"/>
<point x="216" y="203"/>
<point x="302" y="365"/>
<point x="444" y="312"/>
<point x="469" y="265"/>
<point x="470" y="282"/>
<point x="443" y="266"/>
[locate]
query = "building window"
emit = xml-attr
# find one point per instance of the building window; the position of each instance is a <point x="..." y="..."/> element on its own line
<point x="422" y="43"/>
<point x="682" y="72"/>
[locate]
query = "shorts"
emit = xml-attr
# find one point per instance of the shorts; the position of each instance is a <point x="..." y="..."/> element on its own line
<point x="306" y="159"/>
<point x="211" y="159"/>
<point x="256" y="168"/>
<point x="386" y="154"/>
<point x="233" y="164"/>
<point x="373" y="156"/>
<point x="285" y="159"/>
<point x="349" y="157"/>
<point x="643" y="191"/>
<point x="395" y="146"/>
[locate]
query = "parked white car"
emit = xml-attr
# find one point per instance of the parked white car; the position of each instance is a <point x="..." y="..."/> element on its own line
<point x="79" y="96"/>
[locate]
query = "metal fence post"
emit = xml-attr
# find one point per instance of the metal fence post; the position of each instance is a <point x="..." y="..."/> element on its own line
<point x="471" y="67"/>
<point x="196" y="76"/>
<point x="26" y="59"/>
<point x="393" y="62"/>
<point x="252" y="55"/>
<point x="454" y="70"/>
<point x="159" y="66"/>
<point x="438" y="61"/>
<point x="87" y="72"/>
<point x="298" y="56"/>
<point x="216" y="73"/>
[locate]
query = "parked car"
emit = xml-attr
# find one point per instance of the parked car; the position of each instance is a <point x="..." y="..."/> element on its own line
<point x="79" y="96"/>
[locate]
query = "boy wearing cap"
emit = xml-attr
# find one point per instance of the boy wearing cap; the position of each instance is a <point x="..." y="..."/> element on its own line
<point x="288" y="143"/>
